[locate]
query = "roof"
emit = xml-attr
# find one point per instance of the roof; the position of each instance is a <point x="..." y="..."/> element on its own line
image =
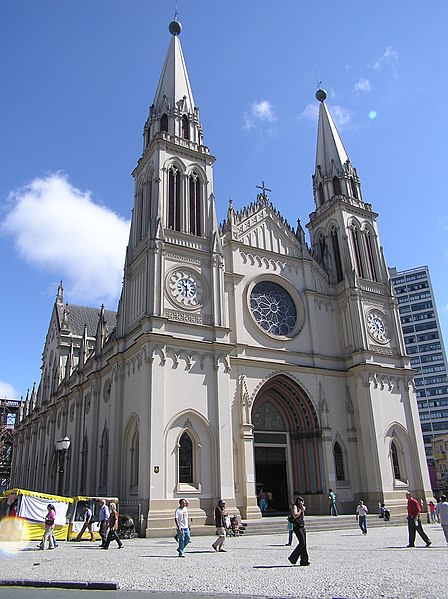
<point x="78" y="316"/>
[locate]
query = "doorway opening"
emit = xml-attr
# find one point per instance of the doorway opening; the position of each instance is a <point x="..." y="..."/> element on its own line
<point x="271" y="478"/>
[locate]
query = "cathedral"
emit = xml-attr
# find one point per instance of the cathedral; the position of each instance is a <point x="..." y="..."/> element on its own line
<point x="241" y="357"/>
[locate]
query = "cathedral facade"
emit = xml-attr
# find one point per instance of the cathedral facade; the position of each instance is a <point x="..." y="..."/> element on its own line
<point x="240" y="357"/>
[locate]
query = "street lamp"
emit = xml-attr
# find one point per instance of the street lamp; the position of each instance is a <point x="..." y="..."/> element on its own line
<point x="62" y="447"/>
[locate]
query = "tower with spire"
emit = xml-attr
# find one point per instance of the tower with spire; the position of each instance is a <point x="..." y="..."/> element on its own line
<point x="240" y="357"/>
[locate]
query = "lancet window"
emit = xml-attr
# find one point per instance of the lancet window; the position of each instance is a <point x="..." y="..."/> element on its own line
<point x="185" y="127"/>
<point x="164" y="123"/>
<point x="395" y="461"/>
<point x="337" y="255"/>
<point x="336" y="186"/>
<point x="195" y="204"/>
<point x="104" y="460"/>
<point x="174" y="189"/>
<point x="370" y="255"/>
<point x="357" y="251"/>
<point x="338" y="462"/>
<point x="135" y="448"/>
<point x="185" y="459"/>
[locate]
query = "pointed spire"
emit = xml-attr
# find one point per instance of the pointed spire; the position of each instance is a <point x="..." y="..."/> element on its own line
<point x="174" y="85"/>
<point x="69" y="363"/>
<point x="33" y="397"/>
<point x="60" y="295"/>
<point x="101" y="332"/>
<point x="330" y="149"/>
<point x="83" y="350"/>
<point x="27" y="402"/>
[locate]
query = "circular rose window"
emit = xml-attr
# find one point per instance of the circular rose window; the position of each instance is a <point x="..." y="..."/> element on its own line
<point x="273" y="308"/>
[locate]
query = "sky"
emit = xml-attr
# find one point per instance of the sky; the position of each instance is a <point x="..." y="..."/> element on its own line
<point x="78" y="78"/>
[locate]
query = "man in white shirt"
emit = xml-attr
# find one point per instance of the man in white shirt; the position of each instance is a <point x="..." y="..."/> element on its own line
<point x="361" y="516"/>
<point x="183" y="530"/>
<point x="103" y="519"/>
<point x="442" y="512"/>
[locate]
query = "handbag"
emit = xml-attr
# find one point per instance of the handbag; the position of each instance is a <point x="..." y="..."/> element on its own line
<point x="291" y="519"/>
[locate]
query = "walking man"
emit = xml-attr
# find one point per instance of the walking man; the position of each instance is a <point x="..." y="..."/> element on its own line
<point x="103" y="520"/>
<point x="298" y="513"/>
<point x="414" y="522"/>
<point x="220" y="523"/>
<point x="332" y="498"/>
<point x="183" y="530"/>
<point x="442" y="512"/>
<point x="87" y="523"/>
<point x="361" y="516"/>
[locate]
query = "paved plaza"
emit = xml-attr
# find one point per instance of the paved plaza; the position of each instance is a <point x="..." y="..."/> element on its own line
<point x="344" y="564"/>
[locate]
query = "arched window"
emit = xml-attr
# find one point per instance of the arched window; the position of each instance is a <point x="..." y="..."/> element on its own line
<point x="354" y="188"/>
<point x="195" y="204"/>
<point x="338" y="462"/>
<point x="395" y="461"/>
<point x="134" y="459"/>
<point x="139" y="216"/>
<point x="185" y="459"/>
<point x="357" y="251"/>
<point x="104" y="458"/>
<point x="336" y="186"/>
<point x="84" y="462"/>
<point x="174" y="199"/>
<point x="164" y="123"/>
<point x="185" y="127"/>
<point x="320" y="194"/>
<point x="337" y="255"/>
<point x="370" y="256"/>
<point x="322" y="250"/>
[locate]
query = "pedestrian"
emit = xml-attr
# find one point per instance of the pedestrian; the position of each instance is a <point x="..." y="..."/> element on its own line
<point x="290" y="525"/>
<point x="384" y="512"/>
<point x="433" y="512"/>
<point x="183" y="530"/>
<point x="361" y="516"/>
<point x="442" y="512"/>
<point x="88" y="516"/>
<point x="332" y="498"/>
<point x="112" y="535"/>
<point x="298" y="513"/>
<point x="414" y="522"/>
<point x="103" y="519"/>
<point x="220" y="523"/>
<point x="49" y="527"/>
<point x="262" y="500"/>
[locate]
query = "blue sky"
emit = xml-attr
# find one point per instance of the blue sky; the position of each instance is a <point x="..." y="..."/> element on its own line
<point x="79" y="76"/>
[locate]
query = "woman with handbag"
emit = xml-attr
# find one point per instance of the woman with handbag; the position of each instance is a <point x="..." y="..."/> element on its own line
<point x="298" y="513"/>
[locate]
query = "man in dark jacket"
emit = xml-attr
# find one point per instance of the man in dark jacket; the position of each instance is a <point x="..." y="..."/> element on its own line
<point x="220" y="523"/>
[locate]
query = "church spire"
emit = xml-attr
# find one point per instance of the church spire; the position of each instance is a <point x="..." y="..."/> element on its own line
<point x="173" y="111"/>
<point x="334" y="175"/>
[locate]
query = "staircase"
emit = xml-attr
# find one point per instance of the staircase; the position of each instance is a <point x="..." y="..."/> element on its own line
<point x="278" y="524"/>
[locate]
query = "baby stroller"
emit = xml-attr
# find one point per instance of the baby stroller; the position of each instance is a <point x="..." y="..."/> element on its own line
<point x="232" y="526"/>
<point x="126" y="527"/>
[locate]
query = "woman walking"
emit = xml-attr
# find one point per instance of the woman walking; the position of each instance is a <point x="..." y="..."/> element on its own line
<point x="49" y="528"/>
<point x="112" y="535"/>
<point x="298" y="513"/>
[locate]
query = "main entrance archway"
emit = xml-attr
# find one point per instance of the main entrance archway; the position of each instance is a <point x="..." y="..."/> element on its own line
<point x="287" y="442"/>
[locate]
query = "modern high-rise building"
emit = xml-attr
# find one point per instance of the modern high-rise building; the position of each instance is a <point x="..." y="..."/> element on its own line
<point x="424" y="344"/>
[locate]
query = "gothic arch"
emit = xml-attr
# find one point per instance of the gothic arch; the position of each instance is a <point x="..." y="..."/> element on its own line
<point x="282" y="412"/>
<point x="204" y="460"/>
<point x="131" y="457"/>
<point x="399" y="453"/>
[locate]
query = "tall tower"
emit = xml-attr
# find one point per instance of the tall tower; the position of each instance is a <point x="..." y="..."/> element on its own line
<point x="173" y="268"/>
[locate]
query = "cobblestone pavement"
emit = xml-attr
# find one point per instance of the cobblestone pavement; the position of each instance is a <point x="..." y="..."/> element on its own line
<point x="344" y="564"/>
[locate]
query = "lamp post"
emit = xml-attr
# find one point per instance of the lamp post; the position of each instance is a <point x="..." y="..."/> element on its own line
<point x="62" y="448"/>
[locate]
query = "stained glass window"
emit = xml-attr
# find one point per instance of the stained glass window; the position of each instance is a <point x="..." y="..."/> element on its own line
<point x="273" y="308"/>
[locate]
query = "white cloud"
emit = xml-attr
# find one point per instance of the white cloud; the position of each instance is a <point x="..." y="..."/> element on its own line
<point x="311" y="112"/>
<point x="61" y="229"/>
<point x="363" y="85"/>
<point x="341" y="116"/>
<point x="390" y="56"/>
<point x="8" y="391"/>
<point x="260" y="111"/>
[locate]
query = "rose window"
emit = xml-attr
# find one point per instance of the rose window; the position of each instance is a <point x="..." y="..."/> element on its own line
<point x="273" y="308"/>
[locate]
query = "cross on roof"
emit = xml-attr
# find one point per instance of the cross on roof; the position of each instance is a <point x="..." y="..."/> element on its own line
<point x="263" y="188"/>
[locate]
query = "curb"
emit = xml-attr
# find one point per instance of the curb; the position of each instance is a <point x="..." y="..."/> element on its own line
<point x="61" y="584"/>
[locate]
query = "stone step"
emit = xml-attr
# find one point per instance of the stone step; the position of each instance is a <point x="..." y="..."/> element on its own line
<point x="278" y="524"/>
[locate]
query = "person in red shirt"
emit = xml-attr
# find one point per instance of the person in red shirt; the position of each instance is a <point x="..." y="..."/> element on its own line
<point x="414" y="522"/>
